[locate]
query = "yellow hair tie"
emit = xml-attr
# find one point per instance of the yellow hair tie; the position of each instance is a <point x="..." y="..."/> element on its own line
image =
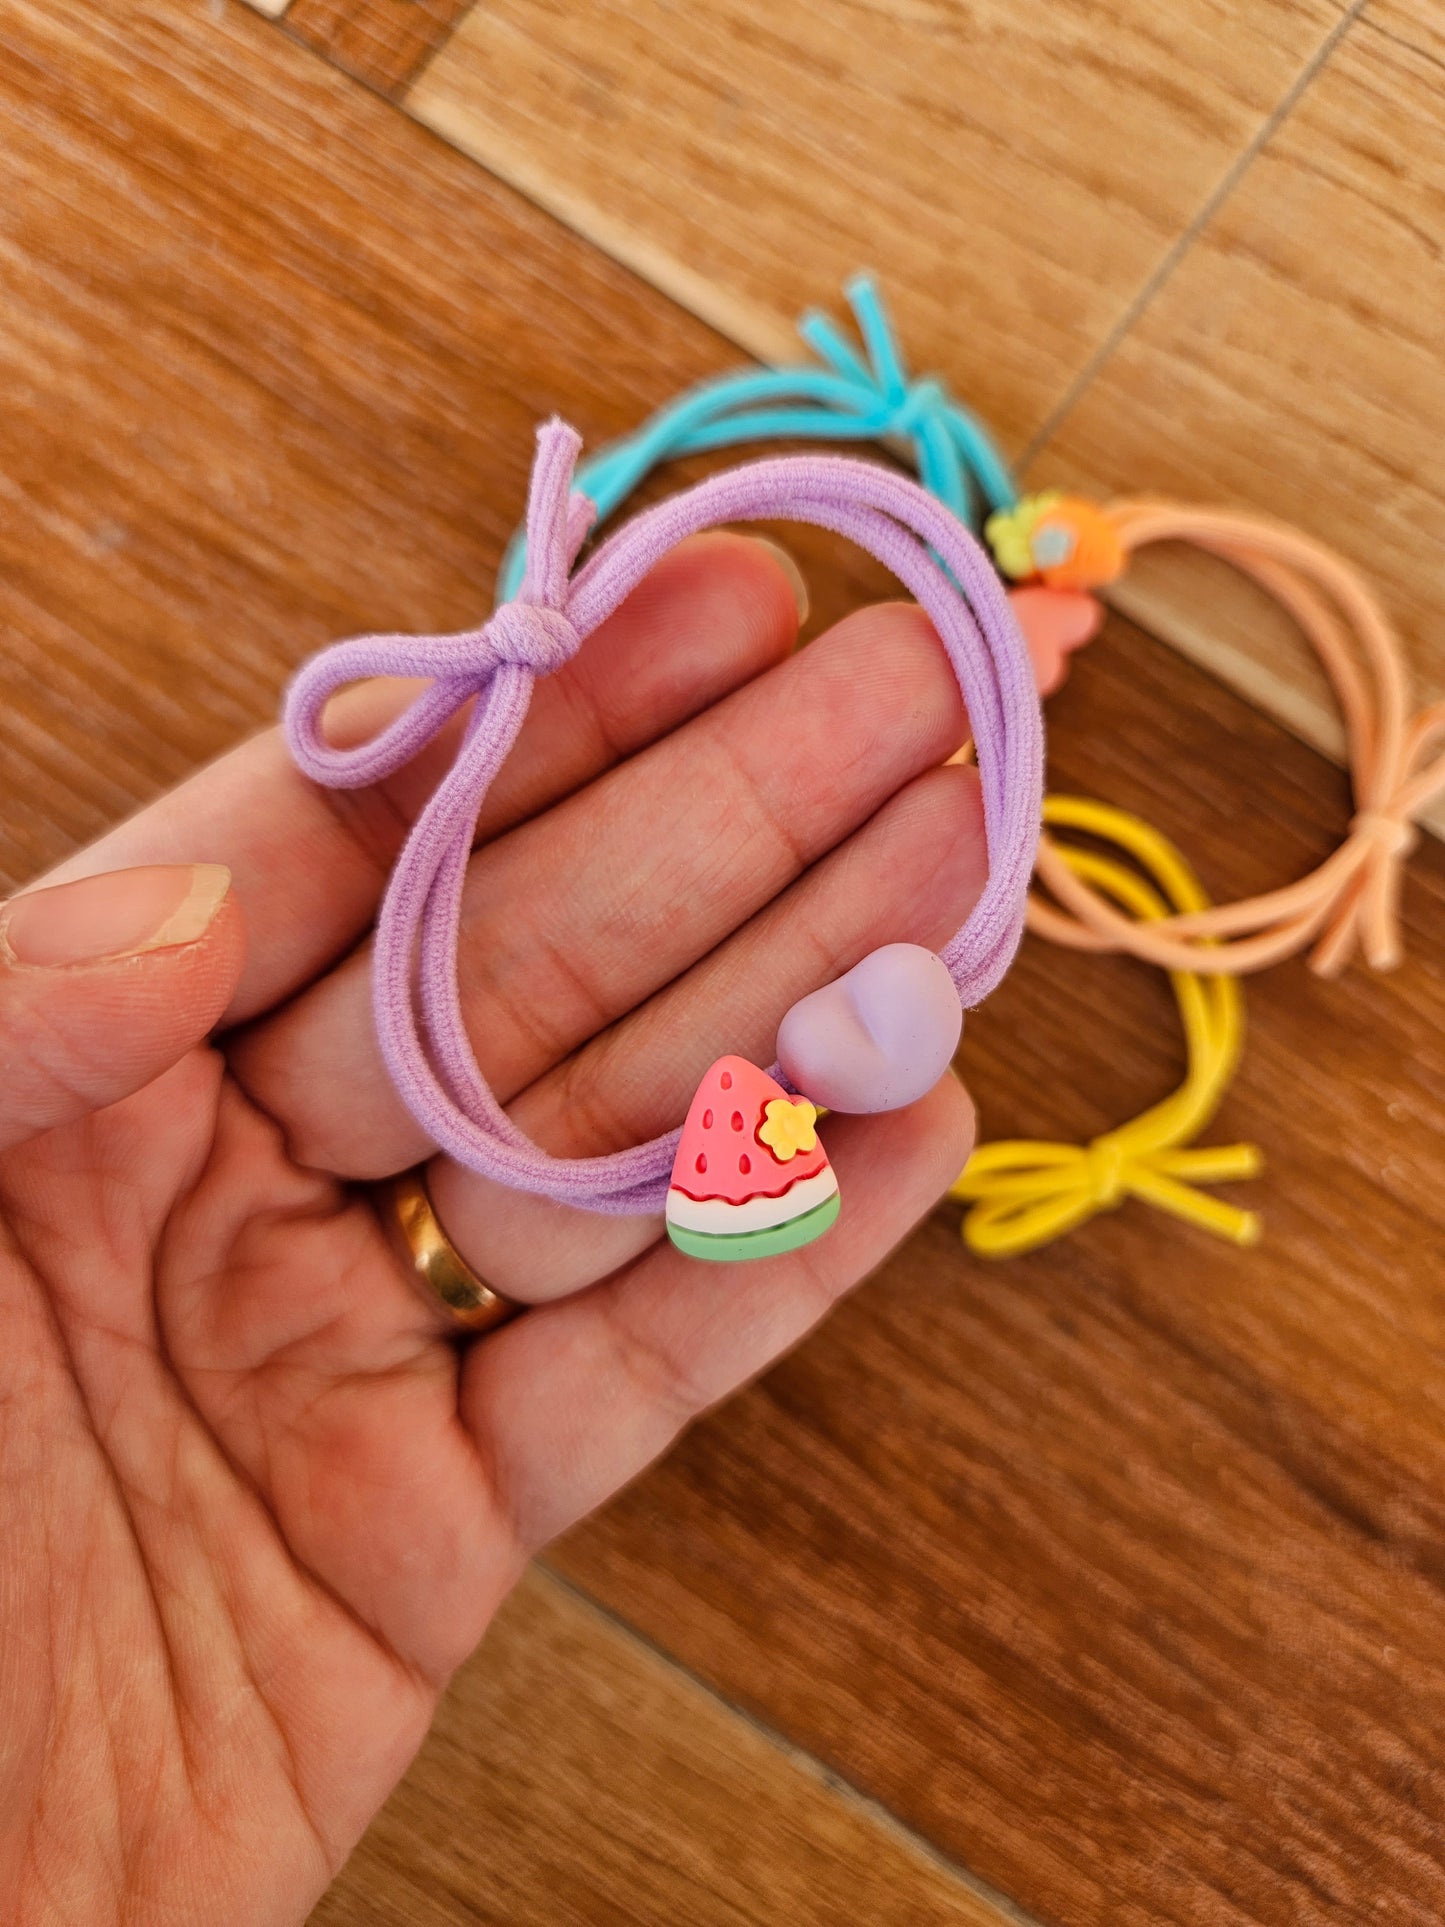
<point x="1024" y="1193"/>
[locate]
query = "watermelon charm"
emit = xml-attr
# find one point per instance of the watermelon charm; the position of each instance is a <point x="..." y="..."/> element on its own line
<point x="750" y="1179"/>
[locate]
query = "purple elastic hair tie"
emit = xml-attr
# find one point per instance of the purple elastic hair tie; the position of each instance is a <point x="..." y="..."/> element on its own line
<point x="418" y="1009"/>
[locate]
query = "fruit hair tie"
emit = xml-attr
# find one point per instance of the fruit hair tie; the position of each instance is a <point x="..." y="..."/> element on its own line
<point x="748" y="1176"/>
<point x="1021" y="1193"/>
<point x="1352" y="899"/>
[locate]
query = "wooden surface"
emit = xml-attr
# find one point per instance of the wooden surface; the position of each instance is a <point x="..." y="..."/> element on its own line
<point x="247" y="414"/>
<point x="1110" y="1578"/>
<point x="576" y="1778"/>
<point x="1295" y="356"/>
<point x="383" y="42"/>
<point x="984" y="159"/>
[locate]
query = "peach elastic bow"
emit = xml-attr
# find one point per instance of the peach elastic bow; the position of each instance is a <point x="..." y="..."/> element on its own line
<point x="1353" y="898"/>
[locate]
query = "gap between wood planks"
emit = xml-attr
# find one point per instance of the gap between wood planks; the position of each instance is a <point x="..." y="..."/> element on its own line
<point x="1154" y="283"/>
<point x="869" y="1809"/>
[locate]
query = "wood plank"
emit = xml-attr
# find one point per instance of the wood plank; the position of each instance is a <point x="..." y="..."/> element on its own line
<point x="573" y="1775"/>
<point x="1015" y="174"/>
<point x="1291" y="363"/>
<point x="383" y="42"/>
<point x="272" y="358"/>
<point x="1134" y="1543"/>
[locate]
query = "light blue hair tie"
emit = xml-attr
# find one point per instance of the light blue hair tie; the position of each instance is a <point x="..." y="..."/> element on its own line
<point x="853" y="397"/>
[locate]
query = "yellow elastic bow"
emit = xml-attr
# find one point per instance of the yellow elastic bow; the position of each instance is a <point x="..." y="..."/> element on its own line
<point x="1024" y="1194"/>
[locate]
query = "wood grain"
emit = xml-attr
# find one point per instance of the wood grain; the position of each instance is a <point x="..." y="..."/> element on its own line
<point x="383" y="42"/>
<point x="1013" y="173"/>
<point x="1292" y="363"/>
<point x="576" y="1779"/>
<point x="1117" y="1570"/>
<point x="272" y="358"/>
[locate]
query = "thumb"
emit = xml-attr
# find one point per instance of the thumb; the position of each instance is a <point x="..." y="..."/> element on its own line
<point x="106" y="983"/>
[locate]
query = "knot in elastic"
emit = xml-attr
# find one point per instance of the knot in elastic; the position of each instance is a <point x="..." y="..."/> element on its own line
<point x="918" y="404"/>
<point x="534" y="637"/>
<point x="1394" y="837"/>
<point x="1105" y="1162"/>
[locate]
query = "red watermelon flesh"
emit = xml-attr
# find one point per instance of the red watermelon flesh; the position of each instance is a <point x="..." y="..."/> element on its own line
<point x="719" y="1154"/>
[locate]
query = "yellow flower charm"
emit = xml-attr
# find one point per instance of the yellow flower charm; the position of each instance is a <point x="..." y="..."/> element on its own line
<point x="1010" y="533"/>
<point x="787" y="1127"/>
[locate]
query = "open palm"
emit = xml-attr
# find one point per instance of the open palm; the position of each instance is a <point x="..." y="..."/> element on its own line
<point x="255" y="1501"/>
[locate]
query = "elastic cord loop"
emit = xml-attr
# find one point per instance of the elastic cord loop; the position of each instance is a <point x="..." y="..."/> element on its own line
<point x="418" y="1006"/>
<point x="1023" y="1193"/>
<point x="851" y="398"/>
<point x="1352" y="900"/>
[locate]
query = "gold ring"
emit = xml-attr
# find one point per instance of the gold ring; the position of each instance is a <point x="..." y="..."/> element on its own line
<point x="429" y="1256"/>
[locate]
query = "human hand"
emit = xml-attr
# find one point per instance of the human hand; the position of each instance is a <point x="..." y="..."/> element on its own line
<point x="256" y="1503"/>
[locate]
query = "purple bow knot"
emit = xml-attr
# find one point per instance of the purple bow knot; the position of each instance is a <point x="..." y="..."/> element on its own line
<point x="532" y="637"/>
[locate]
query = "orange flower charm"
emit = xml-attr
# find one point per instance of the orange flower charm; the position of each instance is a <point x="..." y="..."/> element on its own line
<point x="1060" y="540"/>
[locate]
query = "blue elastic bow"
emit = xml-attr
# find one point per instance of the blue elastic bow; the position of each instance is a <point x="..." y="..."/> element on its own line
<point x="853" y="398"/>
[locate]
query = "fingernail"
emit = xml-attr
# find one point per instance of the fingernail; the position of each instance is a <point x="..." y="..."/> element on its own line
<point x="122" y="913"/>
<point x="789" y="565"/>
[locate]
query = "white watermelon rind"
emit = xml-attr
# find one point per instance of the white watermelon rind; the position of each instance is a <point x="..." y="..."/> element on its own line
<point x="729" y="1247"/>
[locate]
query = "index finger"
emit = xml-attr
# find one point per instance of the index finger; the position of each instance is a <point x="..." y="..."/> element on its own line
<point x="309" y="864"/>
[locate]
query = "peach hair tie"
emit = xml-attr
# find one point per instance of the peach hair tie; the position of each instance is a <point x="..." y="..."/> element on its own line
<point x="1069" y="545"/>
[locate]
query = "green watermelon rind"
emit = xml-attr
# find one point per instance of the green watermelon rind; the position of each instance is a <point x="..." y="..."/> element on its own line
<point x="774" y="1239"/>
